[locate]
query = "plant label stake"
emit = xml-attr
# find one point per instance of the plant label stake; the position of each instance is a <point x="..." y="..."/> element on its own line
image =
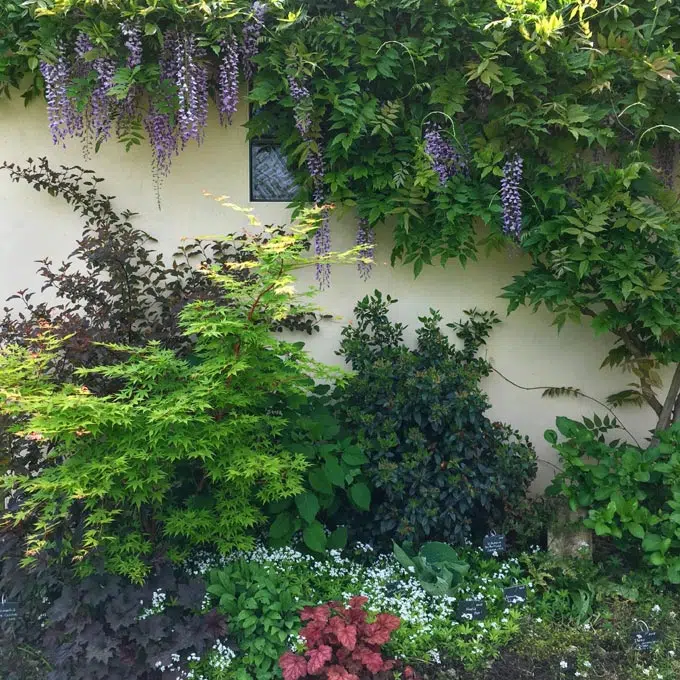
<point x="472" y="610"/>
<point x="515" y="594"/>
<point x="644" y="639"/>
<point x="8" y="610"/>
<point x="494" y="544"/>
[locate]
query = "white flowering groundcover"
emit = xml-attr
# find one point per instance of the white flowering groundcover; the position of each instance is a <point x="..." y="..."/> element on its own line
<point x="434" y="638"/>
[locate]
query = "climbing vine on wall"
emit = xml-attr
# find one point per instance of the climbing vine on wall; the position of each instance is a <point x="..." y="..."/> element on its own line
<point x="431" y="115"/>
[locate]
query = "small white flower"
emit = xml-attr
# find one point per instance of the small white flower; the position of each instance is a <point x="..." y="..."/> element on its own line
<point x="539" y="620"/>
<point x="656" y="609"/>
<point x="564" y="664"/>
<point x="671" y="653"/>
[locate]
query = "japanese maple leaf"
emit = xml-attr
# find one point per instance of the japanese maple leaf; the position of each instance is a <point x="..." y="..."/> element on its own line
<point x="293" y="666"/>
<point x="318" y="658"/>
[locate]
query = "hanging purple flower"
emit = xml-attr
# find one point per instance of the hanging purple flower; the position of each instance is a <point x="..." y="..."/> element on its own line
<point x="302" y="99"/>
<point x="132" y="32"/>
<point x="64" y="119"/>
<point x="191" y="79"/>
<point x="322" y="246"/>
<point x="82" y="46"/>
<point x="127" y="111"/>
<point x="98" y="111"/>
<point x="100" y="102"/>
<point x="252" y="30"/>
<point x="365" y="239"/>
<point x="446" y="160"/>
<point x="159" y="123"/>
<point x="227" y="99"/>
<point x="510" y="196"/>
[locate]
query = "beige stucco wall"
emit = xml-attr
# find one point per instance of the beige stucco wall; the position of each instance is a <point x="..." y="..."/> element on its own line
<point x="525" y="347"/>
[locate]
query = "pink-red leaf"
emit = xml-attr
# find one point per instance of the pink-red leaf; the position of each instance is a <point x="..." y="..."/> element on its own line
<point x="293" y="666"/>
<point x="346" y="634"/>
<point x="388" y="621"/>
<point x="318" y="658"/>
<point x="369" y="658"/>
<point x="358" y="601"/>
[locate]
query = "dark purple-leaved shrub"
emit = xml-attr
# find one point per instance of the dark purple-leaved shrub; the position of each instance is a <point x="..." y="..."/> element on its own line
<point x="113" y="288"/>
<point x="102" y="627"/>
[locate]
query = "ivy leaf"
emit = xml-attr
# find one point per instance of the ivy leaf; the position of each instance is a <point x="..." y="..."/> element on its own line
<point x="308" y="506"/>
<point x="314" y="537"/>
<point x="281" y="526"/>
<point x="338" y="539"/>
<point x="334" y="472"/>
<point x="361" y="495"/>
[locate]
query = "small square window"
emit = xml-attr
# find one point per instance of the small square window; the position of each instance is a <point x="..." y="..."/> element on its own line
<point x="270" y="179"/>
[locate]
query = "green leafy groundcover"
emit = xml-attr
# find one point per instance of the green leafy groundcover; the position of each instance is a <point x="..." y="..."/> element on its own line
<point x="577" y="620"/>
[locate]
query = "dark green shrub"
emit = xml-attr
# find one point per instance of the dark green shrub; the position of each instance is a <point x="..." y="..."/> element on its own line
<point x="630" y="494"/>
<point x="440" y="468"/>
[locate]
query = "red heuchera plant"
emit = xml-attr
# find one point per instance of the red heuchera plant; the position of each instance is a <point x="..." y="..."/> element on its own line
<point x="341" y="643"/>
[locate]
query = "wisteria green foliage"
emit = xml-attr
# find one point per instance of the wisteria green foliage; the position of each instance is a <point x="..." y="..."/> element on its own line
<point x="416" y="108"/>
<point x="189" y="450"/>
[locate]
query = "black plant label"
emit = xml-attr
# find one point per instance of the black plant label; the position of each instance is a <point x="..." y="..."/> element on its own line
<point x="644" y="640"/>
<point x="494" y="544"/>
<point x="515" y="594"/>
<point x="472" y="610"/>
<point x="8" y="611"/>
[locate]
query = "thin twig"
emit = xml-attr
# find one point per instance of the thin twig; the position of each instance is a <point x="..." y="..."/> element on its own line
<point x="581" y="394"/>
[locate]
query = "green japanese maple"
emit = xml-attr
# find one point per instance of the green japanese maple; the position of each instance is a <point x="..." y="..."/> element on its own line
<point x="189" y="450"/>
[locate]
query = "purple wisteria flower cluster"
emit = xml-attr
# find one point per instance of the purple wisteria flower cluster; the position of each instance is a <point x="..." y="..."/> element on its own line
<point x="252" y="30"/>
<point x="227" y="92"/>
<point x="445" y="158"/>
<point x="132" y="39"/>
<point x="64" y="119"/>
<point x="365" y="239"/>
<point x="132" y="34"/>
<point x="322" y="238"/>
<point x="158" y="121"/>
<point x="190" y="76"/>
<point x="510" y="196"/>
<point x="302" y="99"/>
<point x="315" y="166"/>
<point x="98" y="112"/>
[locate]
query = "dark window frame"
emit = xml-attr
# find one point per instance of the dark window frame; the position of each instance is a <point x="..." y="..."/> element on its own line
<point x="261" y="142"/>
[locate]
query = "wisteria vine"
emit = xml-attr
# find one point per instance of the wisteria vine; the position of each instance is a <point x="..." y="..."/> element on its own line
<point x="315" y="166"/>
